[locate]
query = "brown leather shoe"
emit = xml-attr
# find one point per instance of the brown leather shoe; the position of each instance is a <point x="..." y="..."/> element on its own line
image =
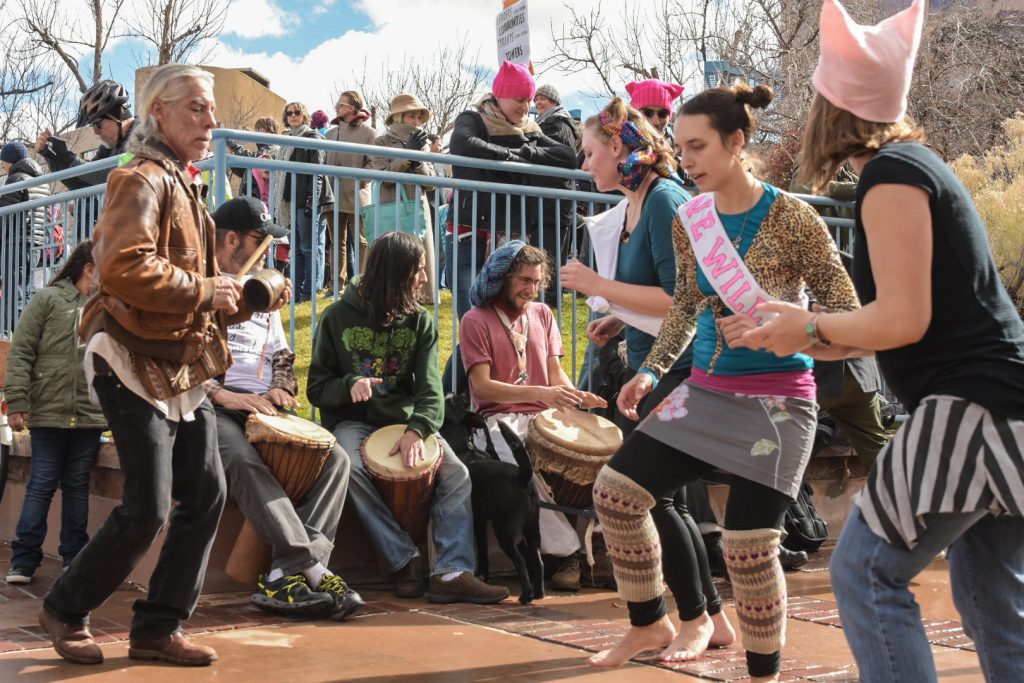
<point x="567" y="578"/>
<point x="409" y="580"/>
<point x="174" y="649"/>
<point x="464" y="588"/>
<point x="72" y="641"/>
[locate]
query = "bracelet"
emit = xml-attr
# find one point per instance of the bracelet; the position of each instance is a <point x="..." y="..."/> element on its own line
<point x="648" y="371"/>
<point x="812" y="332"/>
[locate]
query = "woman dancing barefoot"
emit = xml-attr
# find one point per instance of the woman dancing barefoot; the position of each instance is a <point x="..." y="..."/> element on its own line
<point x="742" y="410"/>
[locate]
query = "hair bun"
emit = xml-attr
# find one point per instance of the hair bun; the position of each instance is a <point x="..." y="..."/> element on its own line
<point x="758" y="97"/>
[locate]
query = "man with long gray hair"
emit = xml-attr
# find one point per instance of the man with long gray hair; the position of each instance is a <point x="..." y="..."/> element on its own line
<point x="155" y="331"/>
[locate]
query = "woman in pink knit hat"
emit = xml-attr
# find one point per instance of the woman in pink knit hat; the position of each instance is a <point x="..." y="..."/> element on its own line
<point x="951" y="345"/>
<point x="654" y="98"/>
<point x="498" y="128"/>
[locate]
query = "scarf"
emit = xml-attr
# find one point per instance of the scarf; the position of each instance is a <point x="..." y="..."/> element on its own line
<point x="642" y="158"/>
<point x="282" y="204"/>
<point x="361" y="116"/>
<point x="558" y="111"/>
<point x="496" y="122"/>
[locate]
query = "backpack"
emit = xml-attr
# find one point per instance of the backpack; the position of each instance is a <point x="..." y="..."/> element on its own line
<point x="805" y="528"/>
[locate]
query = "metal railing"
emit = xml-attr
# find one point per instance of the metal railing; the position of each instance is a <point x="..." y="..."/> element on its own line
<point x="534" y="211"/>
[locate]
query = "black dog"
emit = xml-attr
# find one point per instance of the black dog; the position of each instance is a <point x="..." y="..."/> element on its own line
<point x="503" y="494"/>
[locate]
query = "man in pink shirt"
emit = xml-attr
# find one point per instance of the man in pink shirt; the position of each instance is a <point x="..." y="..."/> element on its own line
<point x="512" y="349"/>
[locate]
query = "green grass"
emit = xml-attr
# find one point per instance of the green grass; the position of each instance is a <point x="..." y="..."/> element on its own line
<point x="303" y="345"/>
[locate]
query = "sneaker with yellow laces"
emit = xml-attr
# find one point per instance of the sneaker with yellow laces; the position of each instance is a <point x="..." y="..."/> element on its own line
<point x="291" y="596"/>
<point x="346" y="600"/>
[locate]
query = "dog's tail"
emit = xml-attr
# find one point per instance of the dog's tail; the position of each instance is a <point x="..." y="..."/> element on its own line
<point x="515" y="444"/>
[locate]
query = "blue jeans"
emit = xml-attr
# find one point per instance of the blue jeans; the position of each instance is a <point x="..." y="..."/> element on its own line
<point x="464" y="268"/>
<point x="451" y="514"/>
<point x="60" y="457"/>
<point x="309" y="256"/>
<point x="881" y="619"/>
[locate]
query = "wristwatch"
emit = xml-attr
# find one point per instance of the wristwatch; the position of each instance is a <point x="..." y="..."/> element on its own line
<point x="812" y="331"/>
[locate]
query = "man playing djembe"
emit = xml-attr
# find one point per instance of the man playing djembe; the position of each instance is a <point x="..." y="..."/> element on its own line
<point x="262" y="380"/>
<point x="375" y="365"/>
<point x="512" y="351"/>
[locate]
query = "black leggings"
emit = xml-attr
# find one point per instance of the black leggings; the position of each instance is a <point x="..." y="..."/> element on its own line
<point x="661" y="470"/>
<point x="673" y="520"/>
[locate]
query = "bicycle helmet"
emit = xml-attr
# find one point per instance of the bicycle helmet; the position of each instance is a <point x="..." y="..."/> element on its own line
<point x="104" y="99"/>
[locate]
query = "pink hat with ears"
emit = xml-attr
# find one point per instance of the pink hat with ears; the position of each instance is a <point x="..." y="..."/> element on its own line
<point x="514" y="81"/>
<point x="866" y="70"/>
<point x="653" y="93"/>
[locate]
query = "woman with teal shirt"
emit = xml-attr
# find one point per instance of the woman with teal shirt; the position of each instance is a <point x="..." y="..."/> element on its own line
<point x="741" y="410"/>
<point x="623" y="152"/>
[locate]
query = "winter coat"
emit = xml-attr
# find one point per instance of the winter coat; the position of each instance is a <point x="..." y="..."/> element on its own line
<point x="26" y="169"/>
<point x="470" y="138"/>
<point x="44" y="369"/>
<point x="360" y="134"/>
<point x="304" y="181"/>
<point x="395" y="138"/>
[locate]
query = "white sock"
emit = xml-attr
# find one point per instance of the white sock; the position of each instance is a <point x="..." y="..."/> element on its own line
<point x="275" y="574"/>
<point x="315" y="573"/>
<point x="451" y="576"/>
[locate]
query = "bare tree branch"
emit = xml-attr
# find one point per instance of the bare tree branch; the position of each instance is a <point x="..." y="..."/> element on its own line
<point x="178" y="31"/>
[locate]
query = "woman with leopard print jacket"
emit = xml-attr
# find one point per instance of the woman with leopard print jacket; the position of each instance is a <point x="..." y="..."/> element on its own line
<point x="742" y="410"/>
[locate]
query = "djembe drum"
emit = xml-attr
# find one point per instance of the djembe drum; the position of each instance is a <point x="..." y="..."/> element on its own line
<point x="296" y="451"/>
<point x="407" y="491"/>
<point x="568" y="448"/>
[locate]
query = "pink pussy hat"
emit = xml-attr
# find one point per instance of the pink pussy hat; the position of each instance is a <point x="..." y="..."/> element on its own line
<point x="866" y="70"/>
<point x="653" y="93"/>
<point x="514" y="81"/>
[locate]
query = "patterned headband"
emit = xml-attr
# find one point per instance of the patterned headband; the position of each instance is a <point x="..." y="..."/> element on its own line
<point x="626" y="131"/>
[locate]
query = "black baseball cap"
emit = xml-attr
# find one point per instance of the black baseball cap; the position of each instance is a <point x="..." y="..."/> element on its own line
<point x="246" y="213"/>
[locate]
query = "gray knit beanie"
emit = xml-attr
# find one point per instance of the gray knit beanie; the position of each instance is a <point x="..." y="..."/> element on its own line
<point x="549" y="92"/>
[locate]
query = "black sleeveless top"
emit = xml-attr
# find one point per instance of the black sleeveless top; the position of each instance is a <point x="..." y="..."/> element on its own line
<point x="974" y="345"/>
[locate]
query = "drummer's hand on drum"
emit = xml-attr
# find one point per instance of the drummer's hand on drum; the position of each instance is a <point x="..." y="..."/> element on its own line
<point x="632" y="393"/>
<point x="411" y="447"/>
<point x="592" y="401"/>
<point x="561" y="396"/>
<point x="281" y="398"/>
<point x="250" y="403"/>
<point x="362" y="390"/>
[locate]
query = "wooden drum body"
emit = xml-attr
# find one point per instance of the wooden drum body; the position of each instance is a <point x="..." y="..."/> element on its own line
<point x="295" y="450"/>
<point x="568" y="448"/>
<point x="407" y="491"/>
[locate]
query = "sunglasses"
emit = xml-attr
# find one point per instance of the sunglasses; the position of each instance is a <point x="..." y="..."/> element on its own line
<point x="293" y="112"/>
<point x="98" y="124"/>
<point x="651" y="113"/>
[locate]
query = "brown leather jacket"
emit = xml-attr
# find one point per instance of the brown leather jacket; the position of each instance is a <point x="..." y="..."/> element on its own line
<point x="154" y="250"/>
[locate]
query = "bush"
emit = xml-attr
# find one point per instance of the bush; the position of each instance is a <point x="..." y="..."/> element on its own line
<point x="996" y="181"/>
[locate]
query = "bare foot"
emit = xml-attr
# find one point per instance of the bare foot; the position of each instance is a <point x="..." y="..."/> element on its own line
<point x="638" y="639"/>
<point x="691" y="641"/>
<point x="724" y="635"/>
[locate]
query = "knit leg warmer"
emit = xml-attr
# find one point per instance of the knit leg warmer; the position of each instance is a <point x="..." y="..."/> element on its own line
<point x="623" y="506"/>
<point x="759" y="587"/>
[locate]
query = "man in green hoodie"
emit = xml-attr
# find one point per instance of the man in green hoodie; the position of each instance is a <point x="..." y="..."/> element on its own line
<point x="375" y="364"/>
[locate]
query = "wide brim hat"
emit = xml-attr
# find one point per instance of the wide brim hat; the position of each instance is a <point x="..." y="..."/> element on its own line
<point x="491" y="277"/>
<point x="405" y="103"/>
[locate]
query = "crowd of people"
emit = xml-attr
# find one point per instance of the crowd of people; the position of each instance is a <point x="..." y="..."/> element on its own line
<point x="725" y="317"/>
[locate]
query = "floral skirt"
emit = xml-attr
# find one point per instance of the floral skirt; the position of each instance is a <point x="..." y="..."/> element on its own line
<point x="764" y="439"/>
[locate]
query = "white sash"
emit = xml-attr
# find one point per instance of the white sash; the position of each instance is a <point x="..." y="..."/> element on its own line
<point x="719" y="260"/>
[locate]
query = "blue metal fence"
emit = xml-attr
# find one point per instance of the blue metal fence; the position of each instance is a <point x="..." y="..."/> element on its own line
<point x="27" y="264"/>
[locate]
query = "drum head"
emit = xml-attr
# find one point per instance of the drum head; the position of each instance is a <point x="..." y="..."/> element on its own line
<point x="285" y="428"/>
<point x="377" y="459"/>
<point x="578" y="431"/>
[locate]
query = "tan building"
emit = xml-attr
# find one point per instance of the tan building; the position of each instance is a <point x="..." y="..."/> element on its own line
<point x="243" y="95"/>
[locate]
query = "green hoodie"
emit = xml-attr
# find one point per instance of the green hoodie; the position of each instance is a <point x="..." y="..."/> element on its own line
<point x="348" y="347"/>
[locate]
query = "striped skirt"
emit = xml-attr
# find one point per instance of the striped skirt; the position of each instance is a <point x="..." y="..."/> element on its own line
<point x="952" y="455"/>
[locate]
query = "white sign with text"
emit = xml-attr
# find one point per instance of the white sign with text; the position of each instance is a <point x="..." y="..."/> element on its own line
<point x="514" y="34"/>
